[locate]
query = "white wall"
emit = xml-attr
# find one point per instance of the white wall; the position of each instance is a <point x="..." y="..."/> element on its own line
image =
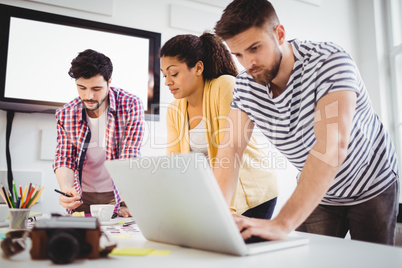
<point x="330" y="21"/>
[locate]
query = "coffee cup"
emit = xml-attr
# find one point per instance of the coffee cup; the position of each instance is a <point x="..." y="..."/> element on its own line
<point x="103" y="212"/>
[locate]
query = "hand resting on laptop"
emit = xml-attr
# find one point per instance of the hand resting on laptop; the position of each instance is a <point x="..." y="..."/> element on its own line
<point x="254" y="239"/>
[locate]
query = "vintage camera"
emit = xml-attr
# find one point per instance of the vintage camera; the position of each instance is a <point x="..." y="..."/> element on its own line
<point x="64" y="239"/>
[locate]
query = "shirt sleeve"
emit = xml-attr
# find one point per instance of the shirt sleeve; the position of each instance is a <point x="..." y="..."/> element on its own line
<point x="236" y="101"/>
<point x="174" y="135"/>
<point x="65" y="149"/>
<point x="134" y="131"/>
<point x="338" y="72"/>
<point x="224" y="96"/>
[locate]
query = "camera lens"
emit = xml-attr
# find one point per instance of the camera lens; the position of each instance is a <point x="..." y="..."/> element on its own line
<point x="63" y="248"/>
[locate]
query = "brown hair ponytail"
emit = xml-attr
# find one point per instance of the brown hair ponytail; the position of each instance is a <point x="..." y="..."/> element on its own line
<point x="207" y="48"/>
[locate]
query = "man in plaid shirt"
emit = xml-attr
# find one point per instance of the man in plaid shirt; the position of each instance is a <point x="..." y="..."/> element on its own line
<point x="103" y="123"/>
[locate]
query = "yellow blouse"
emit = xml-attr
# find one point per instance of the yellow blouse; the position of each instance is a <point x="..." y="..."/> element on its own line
<point x="256" y="185"/>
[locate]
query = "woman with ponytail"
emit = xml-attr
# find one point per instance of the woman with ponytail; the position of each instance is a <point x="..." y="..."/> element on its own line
<point x="200" y="73"/>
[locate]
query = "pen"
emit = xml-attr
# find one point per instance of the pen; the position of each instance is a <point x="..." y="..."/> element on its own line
<point x="62" y="193"/>
<point x="128" y="223"/>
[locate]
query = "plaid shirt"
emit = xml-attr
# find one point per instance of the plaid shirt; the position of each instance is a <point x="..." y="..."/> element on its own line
<point x="124" y="134"/>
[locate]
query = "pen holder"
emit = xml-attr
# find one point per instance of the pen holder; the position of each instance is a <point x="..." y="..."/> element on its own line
<point x="18" y="218"/>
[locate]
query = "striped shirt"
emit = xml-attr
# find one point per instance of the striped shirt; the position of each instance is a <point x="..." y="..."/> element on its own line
<point x="124" y="134"/>
<point x="287" y="120"/>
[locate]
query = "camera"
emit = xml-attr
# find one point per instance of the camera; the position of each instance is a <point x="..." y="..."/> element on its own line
<point x="64" y="239"/>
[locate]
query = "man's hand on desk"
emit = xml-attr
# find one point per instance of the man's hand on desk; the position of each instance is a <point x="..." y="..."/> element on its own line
<point x="266" y="229"/>
<point x="70" y="202"/>
<point x="124" y="212"/>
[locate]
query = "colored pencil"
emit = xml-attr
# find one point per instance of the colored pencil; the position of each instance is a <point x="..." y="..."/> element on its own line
<point x="15" y="193"/>
<point x="10" y="197"/>
<point x="23" y="195"/>
<point x="37" y="197"/>
<point x="17" y="204"/>
<point x="32" y="198"/>
<point x="28" y="197"/>
<point x="4" y="197"/>
<point x="29" y="189"/>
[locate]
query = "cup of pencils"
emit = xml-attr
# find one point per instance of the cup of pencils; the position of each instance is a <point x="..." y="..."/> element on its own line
<point x="18" y="218"/>
<point x="20" y="203"/>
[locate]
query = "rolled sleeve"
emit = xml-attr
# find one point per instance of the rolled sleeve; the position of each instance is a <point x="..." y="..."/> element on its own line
<point x="134" y="131"/>
<point x="64" y="156"/>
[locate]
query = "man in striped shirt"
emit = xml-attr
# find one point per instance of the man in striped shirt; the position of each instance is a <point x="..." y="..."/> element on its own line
<point x="309" y="100"/>
<point x="102" y="123"/>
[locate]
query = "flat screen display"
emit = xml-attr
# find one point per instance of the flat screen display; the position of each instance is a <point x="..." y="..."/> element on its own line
<point x="36" y="50"/>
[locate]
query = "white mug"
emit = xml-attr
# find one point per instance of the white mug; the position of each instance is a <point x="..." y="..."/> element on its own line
<point x="103" y="212"/>
<point x="3" y="212"/>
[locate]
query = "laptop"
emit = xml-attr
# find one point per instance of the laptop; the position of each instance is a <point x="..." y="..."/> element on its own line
<point x="176" y="200"/>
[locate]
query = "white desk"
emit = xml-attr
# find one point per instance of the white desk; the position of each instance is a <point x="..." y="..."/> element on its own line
<point x="321" y="252"/>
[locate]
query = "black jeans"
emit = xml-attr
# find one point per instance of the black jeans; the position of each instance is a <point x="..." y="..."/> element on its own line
<point x="262" y="211"/>
<point x="371" y="221"/>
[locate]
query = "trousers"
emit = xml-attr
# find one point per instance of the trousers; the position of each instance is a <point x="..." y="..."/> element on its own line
<point x="371" y="221"/>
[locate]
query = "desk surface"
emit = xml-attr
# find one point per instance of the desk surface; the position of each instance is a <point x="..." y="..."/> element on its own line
<point x="321" y="251"/>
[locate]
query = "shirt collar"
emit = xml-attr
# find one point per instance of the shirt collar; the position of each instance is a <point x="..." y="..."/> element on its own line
<point x="112" y="100"/>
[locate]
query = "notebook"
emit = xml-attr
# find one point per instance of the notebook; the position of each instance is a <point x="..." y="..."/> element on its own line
<point x="176" y="199"/>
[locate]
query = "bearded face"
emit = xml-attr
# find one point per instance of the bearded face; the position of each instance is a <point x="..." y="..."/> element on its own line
<point x="264" y="75"/>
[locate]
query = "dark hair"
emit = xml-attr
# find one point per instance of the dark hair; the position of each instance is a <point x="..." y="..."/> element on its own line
<point x="207" y="48"/>
<point x="90" y="63"/>
<point x="241" y="15"/>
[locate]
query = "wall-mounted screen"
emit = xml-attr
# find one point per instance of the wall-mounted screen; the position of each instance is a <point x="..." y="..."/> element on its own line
<point x="36" y="49"/>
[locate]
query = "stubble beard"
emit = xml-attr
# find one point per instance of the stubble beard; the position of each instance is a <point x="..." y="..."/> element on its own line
<point x="266" y="77"/>
<point x="97" y="105"/>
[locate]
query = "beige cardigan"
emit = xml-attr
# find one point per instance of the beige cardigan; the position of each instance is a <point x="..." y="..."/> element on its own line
<point x="256" y="185"/>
